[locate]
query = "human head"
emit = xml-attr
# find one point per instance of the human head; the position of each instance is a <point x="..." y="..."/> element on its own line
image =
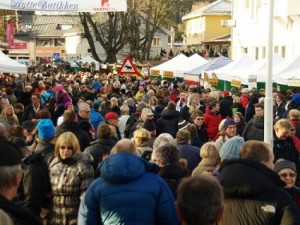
<point x="146" y="114"/>
<point x="70" y="116"/>
<point x="294" y="114"/>
<point x="183" y="137"/>
<point x="124" y="146"/>
<point x="194" y="99"/>
<point x="259" y="109"/>
<point x="258" y="151"/>
<point x="287" y="172"/>
<point x="229" y="128"/>
<point x="162" y="139"/>
<point x="103" y="131"/>
<point x="166" y="154"/>
<point x="84" y="110"/>
<point x="209" y="150"/>
<point x="200" y="200"/>
<point x="66" y="145"/>
<point x="239" y="118"/>
<point x="231" y="148"/>
<point x="112" y="118"/>
<point x="125" y="109"/>
<point x="141" y="137"/>
<point x="282" y="129"/>
<point x="10" y="169"/>
<point x="214" y="106"/>
<point x="150" y="126"/>
<point x="46" y="129"/>
<point x="197" y="117"/>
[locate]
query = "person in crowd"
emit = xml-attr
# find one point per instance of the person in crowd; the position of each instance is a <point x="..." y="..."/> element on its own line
<point x="8" y="117"/>
<point x="283" y="145"/>
<point x="264" y="201"/>
<point x="188" y="151"/>
<point x="168" y="121"/>
<point x="146" y="114"/>
<point x="115" y="105"/>
<point x="212" y="119"/>
<point x="244" y="100"/>
<point x="70" y="173"/>
<point x="279" y="107"/>
<point x="195" y="140"/>
<point x="100" y="148"/>
<point x="127" y="192"/>
<point x="239" y="122"/>
<point x="29" y="131"/>
<point x="148" y="96"/>
<point x="167" y="158"/>
<point x="35" y="184"/>
<point x="123" y="119"/>
<point x="197" y="118"/>
<point x="236" y="106"/>
<point x="12" y="99"/>
<point x="113" y="120"/>
<point x="10" y="173"/>
<point x="294" y="118"/>
<point x="254" y="129"/>
<point x="153" y="102"/>
<point x="229" y="131"/>
<point x="193" y="103"/>
<point x="95" y="117"/>
<point x="106" y="107"/>
<point x="26" y="97"/>
<point x="68" y="106"/>
<point x="209" y="160"/>
<point x="141" y="138"/>
<point x="19" y="110"/>
<point x="150" y="126"/>
<point x="225" y="104"/>
<point x="250" y="108"/>
<point x="200" y="200"/>
<point x="141" y="92"/>
<point x="295" y="138"/>
<point x="32" y="109"/>
<point x="71" y="124"/>
<point x="288" y="173"/>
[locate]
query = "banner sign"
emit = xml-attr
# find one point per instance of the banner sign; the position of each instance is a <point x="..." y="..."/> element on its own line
<point x="22" y="45"/>
<point x="10" y="31"/>
<point x="65" y="5"/>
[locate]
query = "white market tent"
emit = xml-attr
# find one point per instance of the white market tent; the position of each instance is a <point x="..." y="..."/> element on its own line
<point x="8" y="65"/>
<point x="258" y="68"/>
<point x="193" y="62"/>
<point x="88" y="60"/>
<point x="228" y="72"/>
<point x="173" y="65"/>
<point x="289" y="69"/>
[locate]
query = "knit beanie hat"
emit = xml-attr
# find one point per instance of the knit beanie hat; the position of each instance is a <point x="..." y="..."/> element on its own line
<point x="228" y="122"/>
<point x="231" y="148"/>
<point x="10" y="154"/>
<point x="284" y="164"/>
<point x="149" y="125"/>
<point x="182" y="124"/>
<point x="46" y="129"/>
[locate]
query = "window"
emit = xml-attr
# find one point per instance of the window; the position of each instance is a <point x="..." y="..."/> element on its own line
<point x="245" y="50"/>
<point x="283" y="51"/>
<point x="264" y="52"/>
<point x="59" y="42"/>
<point x="256" y="52"/>
<point x="276" y="49"/>
<point x="156" y="42"/>
<point x="66" y="26"/>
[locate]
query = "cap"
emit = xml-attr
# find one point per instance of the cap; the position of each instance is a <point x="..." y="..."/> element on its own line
<point x="147" y="111"/>
<point x="284" y="164"/>
<point x="28" y="125"/>
<point x="226" y="93"/>
<point x="46" y="129"/>
<point x="10" y="154"/>
<point x="111" y="116"/>
<point x="228" y="122"/>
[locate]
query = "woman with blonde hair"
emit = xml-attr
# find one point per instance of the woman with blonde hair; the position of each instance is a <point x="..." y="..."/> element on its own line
<point x="141" y="139"/>
<point x="210" y="159"/>
<point x="8" y="116"/>
<point x="70" y="173"/>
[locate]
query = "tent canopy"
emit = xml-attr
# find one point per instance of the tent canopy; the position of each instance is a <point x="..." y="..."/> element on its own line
<point x="289" y="69"/>
<point x="193" y="62"/>
<point x="8" y="65"/>
<point x="88" y="60"/>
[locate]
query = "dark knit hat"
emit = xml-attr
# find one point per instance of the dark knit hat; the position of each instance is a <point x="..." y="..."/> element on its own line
<point x="182" y="124"/>
<point x="28" y="125"/>
<point x="283" y="164"/>
<point x="228" y="122"/>
<point x="10" y="154"/>
<point x="149" y="125"/>
<point x="46" y="129"/>
<point x="231" y="148"/>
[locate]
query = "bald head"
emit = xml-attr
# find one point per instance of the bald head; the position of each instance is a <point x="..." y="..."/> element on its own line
<point x="124" y="146"/>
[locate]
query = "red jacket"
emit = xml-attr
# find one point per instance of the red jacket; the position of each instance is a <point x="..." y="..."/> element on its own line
<point x="212" y="121"/>
<point x="244" y="100"/>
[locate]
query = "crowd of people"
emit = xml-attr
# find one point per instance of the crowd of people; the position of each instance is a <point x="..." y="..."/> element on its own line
<point x="89" y="148"/>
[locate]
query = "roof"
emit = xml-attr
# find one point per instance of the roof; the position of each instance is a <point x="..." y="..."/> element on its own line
<point x="222" y="39"/>
<point x="220" y="7"/>
<point x="49" y="25"/>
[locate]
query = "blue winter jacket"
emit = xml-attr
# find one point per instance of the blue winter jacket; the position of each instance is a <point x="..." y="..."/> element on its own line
<point x="128" y="192"/>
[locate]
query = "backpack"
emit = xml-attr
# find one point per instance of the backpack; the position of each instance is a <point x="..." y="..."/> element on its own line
<point x="130" y="122"/>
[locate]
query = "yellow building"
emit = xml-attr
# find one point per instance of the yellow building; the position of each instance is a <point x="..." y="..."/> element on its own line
<point x="204" y="30"/>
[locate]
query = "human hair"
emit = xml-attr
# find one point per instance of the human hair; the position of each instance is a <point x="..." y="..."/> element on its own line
<point x="114" y="101"/>
<point x="70" y="115"/>
<point x="171" y="105"/>
<point x="183" y="137"/>
<point x="141" y="106"/>
<point x="162" y="139"/>
<point x="255" y="150"/>
<point x="68" y="139"/>
<point x="83" y="106"/>
<point x="280" y="96"/>
<point x="90" y="103"/>
<point x="212" y="103"/>
<point x="236" y="99"/>
<point x="196" y="113"/>
<point x="141" y="137"/>
<point x="7" y="174"/>
<point x="37" y="95"/>
<point x="43" y="114"/>
<point x="16" y="131"/>
<point x="113" y="131"/>
<point x="124" y="146"/>
<point x="167" y="154"/>
<point x="125" y="109"/>
<point x="130" y="102"/>
<point x="209" y="150"/>
<point x="104" y="131"/>
<point x="199" y="200"/>
<point x="214" y="95"/>
<point x="259" y="105"/>
<point x="19" y="106"/>
<point x="294" y="114"/>
<point x="283" y="123"/>
<point x="4" y="114"/>
<point x="192" y="128"/>
<point x="240" y="115"/>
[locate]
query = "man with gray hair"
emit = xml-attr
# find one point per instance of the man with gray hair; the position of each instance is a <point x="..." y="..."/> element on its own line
<point x="10" y="173"/>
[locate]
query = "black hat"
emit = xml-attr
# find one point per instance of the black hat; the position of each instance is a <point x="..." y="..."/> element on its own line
<point x="10" y="154"/>
<point x="149" y="125"/>
<point x="18" y="141"/>
<point x="28" y="125"/>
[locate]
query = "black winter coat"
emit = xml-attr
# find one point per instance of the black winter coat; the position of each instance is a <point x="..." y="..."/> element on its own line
<point x="254" y="195"/>
<point x="225" y="106"/>
<point x="19" y="215"/>
<point x="254" y="129"/>
<point x="168" y="122"/>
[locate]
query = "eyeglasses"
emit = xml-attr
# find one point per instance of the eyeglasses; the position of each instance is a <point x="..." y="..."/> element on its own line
<point x="284" y="175"/>
<point x="69" y="148"/>
<point x="87" y="111"/>
<point x="200" y="118"/>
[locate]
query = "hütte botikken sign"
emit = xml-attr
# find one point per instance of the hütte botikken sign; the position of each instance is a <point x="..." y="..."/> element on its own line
<point x="65" y="5"/>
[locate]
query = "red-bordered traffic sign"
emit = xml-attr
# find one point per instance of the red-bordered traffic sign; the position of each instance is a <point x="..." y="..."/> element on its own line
<point x="127" y="67"/>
